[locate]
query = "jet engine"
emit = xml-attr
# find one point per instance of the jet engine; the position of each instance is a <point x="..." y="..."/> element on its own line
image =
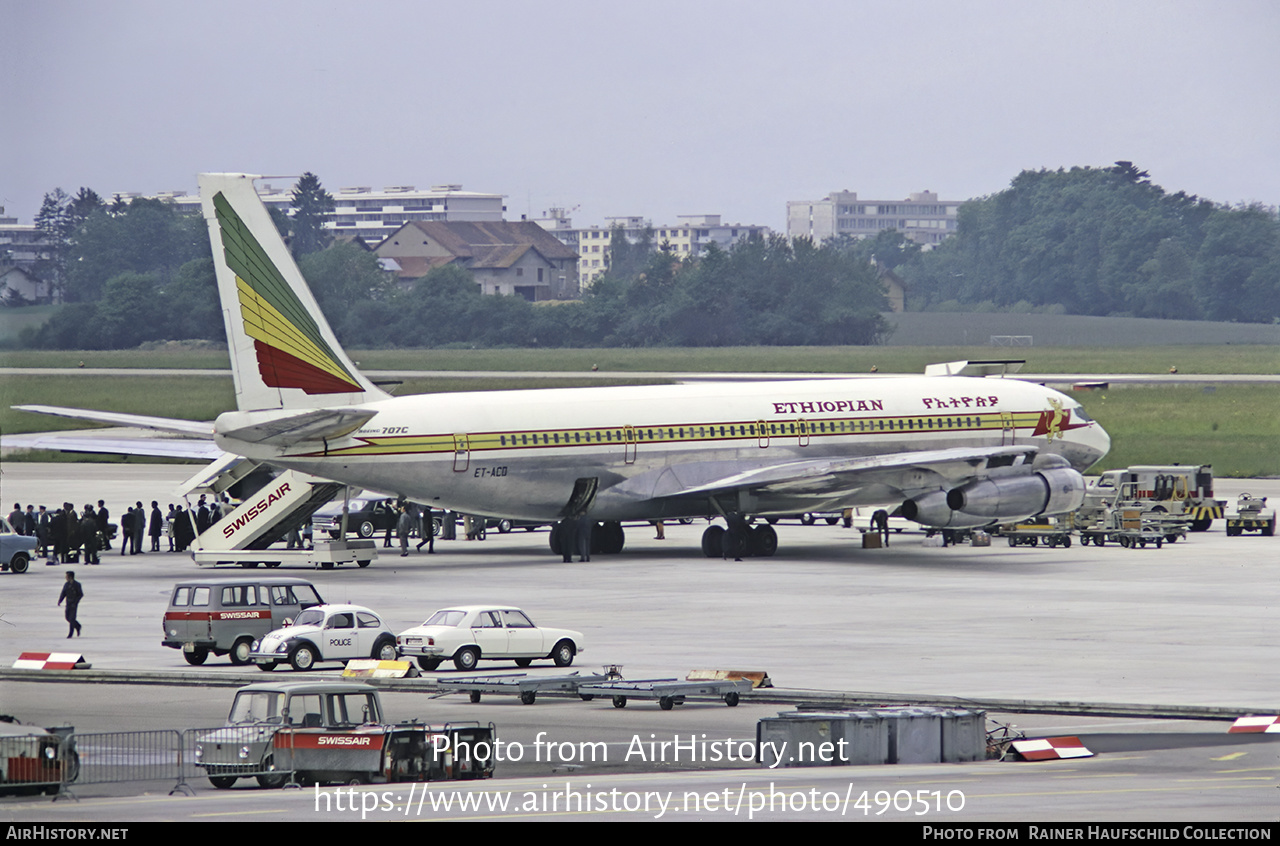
<point x="1000" y="499"/>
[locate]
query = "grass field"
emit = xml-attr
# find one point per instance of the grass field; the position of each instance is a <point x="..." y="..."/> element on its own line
<point x="1234" y="428"/>
<point x="1188" y="359"/>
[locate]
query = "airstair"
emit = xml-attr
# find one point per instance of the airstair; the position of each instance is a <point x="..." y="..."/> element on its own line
<point x="270" y="506"/>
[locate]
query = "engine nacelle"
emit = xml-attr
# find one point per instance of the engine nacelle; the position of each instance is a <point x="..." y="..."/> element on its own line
<point x="999" y="499"/>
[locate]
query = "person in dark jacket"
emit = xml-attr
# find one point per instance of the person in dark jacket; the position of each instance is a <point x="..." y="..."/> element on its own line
<point x="72" y="593"/>
<point x="71" y="528"/>
<point x="139" y="528"/>
<point x="183" y="532"/>
<point x="89" y="535"/>
<point x="157" y="526"/>
<point x="42" y="531"/>
<point x="126" y="529"/>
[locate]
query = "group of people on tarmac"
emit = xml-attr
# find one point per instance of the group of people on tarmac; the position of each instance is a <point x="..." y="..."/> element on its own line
<point x="65" y="536"/>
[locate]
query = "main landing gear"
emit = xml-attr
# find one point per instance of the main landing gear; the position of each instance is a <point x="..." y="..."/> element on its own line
<point x="739" y="540"/>
<point x="607" y="538"/>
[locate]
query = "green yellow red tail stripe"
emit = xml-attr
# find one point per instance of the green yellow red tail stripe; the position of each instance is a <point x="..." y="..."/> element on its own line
<point x="290" y="348"/>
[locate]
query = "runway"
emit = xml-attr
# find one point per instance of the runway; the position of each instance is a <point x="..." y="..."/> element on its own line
<point x="1191" y="624"/>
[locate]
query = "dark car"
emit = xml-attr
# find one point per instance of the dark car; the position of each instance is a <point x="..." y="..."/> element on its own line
<point x="366" y="518"/>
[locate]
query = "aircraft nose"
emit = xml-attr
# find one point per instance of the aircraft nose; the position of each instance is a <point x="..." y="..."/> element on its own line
<point x="1094" y="444"/>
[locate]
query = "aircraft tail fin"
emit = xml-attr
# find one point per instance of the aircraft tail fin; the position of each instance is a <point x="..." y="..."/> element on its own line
<point x="284" y="355"/>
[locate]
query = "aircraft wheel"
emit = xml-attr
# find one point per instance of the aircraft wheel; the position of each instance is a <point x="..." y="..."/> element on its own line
<point x="527" y="697"/>
<point x="222" y="782"/>
<point x="711" y="541"/>
<point x="734" y="543"/>
<point x="429" y="664"/>
<point x="504" y="526"/>
<point x="731" y="698"/>
<point x="806" y="519"/>
<point x="612" y="538"/>
<point x="619" y="701"/>
<point x="475" y="696"/>
<point x="557" y="539"/>
<point x="523" y="662"/>
<point x="764" y="541"/>
<point x="267" y="667"/>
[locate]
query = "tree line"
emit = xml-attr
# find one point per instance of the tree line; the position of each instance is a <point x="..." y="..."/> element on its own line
<point x="1103" y="241"/>
<point x="140" y="271"/>
<point x="1092" y="241"/>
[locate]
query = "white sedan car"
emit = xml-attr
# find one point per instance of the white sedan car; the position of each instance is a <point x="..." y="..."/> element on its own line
<point x="469" y="633"/>
<point x="326" y="633"/>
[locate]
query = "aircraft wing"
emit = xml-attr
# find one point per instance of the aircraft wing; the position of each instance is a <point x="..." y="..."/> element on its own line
<point x="871" y="478"/>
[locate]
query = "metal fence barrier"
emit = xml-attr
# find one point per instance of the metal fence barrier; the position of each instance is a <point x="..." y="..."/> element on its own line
<point x="55" y="762"/>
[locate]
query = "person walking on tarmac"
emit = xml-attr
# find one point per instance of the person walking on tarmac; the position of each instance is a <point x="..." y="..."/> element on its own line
<point x="72" y="593"/>
<point x="404" y="526"/>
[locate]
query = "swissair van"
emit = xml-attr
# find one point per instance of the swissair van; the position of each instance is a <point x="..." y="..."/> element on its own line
<point x="225" y="616"/>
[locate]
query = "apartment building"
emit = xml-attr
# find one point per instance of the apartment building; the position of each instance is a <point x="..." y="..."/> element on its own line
<point x="690" y="237"/>
<point x="922" y="217"/>
<point x="375" y="214"/>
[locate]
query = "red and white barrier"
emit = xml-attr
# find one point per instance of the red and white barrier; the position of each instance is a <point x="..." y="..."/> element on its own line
<point x="1051" y="748"/>
<point x="51" y="661"/>
<point x="1255" y="725"/>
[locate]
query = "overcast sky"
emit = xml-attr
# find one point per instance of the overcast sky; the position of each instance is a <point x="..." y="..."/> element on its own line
<point x="647" y="107"/>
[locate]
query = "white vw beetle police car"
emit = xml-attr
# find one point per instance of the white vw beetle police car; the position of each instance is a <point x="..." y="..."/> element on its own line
<point x="469" y="633"/>
<point x="325" y="633"/>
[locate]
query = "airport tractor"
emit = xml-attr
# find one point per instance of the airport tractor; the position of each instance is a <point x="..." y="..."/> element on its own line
<point x="327" y="732"/>
<point x="1177" y="488"/>
<point x="1252" y="515"/>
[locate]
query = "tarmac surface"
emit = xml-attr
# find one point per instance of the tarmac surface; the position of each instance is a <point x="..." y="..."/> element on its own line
<point x="1190" y="625"/>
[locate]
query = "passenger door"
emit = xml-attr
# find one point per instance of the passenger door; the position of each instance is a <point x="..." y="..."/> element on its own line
<point x="524" y="640"/>
<point x="489" y="635"/>
<point x="340" y="637"/>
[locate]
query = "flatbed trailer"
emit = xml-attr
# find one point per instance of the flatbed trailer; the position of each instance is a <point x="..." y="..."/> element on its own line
<point x="1133" y="527"/>
<point x="1037" y="533"/>
<point x="668" y="692"/>
<point x="525" y="686"/>
<point x="324" y="556"/>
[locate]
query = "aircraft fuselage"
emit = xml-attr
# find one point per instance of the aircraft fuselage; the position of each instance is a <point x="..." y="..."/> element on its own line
<point x="519" y="454"/>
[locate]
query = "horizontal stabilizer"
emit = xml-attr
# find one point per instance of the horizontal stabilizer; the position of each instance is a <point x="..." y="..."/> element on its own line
<point x="115" y="418"/>
<point x="986" y="367"/>
<point x="285" y="427"/>
<point x="112" y="444"/>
